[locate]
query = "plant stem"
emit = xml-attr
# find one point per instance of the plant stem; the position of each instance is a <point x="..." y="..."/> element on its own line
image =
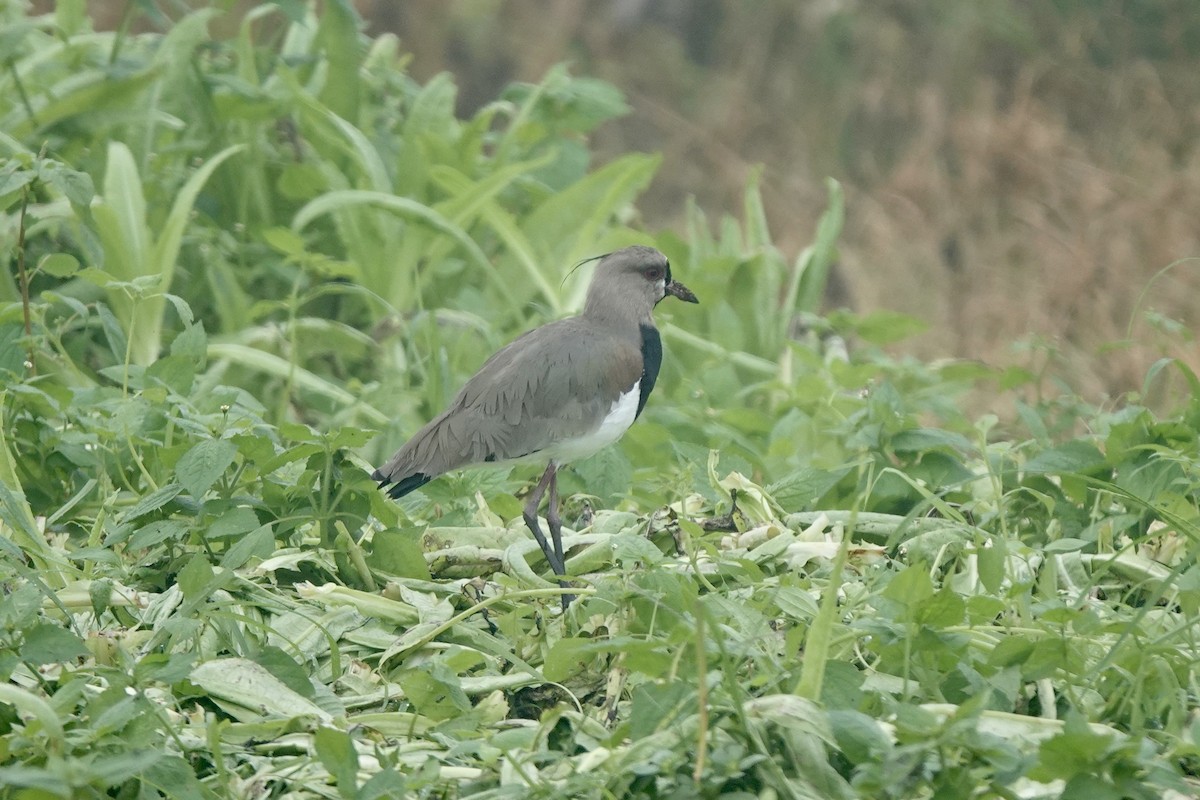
<point x="20" y="87"/>
<point x="23" y="278"/>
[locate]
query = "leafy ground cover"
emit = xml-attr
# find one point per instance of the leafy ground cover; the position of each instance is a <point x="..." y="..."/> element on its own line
<point x="246" y="267"/>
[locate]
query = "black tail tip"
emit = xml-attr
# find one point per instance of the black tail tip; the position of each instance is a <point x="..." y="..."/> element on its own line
<point x="398" y="488"/>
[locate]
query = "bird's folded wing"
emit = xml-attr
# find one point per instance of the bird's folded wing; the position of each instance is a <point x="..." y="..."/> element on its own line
<point x="552" y="384"/>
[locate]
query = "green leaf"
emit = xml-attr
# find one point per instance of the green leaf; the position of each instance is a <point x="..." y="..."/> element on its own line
<point x="19" y="608"/>
<point x="50" y="644"/>
<point x="944" y="609"/>
<point x="157" y="532"/>
<point x="12" y="352"/>
<point x="910" y="588"/>
<point x="658" y="705"/>
<point x="804" y="487"/>
<point x="194" y="578"/>
<point x="200" y="467"/>
<point x="916" y="440"/>
<point x="121" y="219"/>
<point x="285" y="668"/>
<point x="259" y="544"/>
<point x="163" y="668"/>
<point x="435" y="691"/>
<point x="567" y="225"/>
<point x="114" y="334"/>
<point x="236" y="521"/>
<point x="174" y="777"/>
<point x="1076" y="455"/>
<point x="13" y="178"/>
<point x="1078" y="749"/>
<point x="100" y="593"/>
<point x="349" y="438"/>
<point x="76" y="185"/>
<point x="271" y="364"/>
<point x="992" y="562"/>
<point x="152" y="502"/>
<point x="339" y="37"/>
<point x="407" y="208"/>
<point x="191" y="343"/>
<point x="60" y="265"/>
<point x="1066" y="545"/>
<point x="285" y="240"/>
<point x="82" y="91"/>
<point x="252" y="687"/>
<point x="812" y="267"/>
<point x="608" y="474"/>
<point x="398" y="552"/>
<point x="177" y="373"/>
<point x="336" y="751"/>
<point x="858" y="736"/>
<point x="567" y="657"/>
<point x="886" y="327"/>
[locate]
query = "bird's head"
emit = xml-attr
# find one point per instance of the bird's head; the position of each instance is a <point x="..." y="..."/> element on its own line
<point x="632" y="281"/>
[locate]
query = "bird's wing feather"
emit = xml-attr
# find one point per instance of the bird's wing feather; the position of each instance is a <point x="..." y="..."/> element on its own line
<point x="554" y="383"/>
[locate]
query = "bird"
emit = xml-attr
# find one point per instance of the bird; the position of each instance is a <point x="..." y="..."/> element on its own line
<point x="554" y="395"/>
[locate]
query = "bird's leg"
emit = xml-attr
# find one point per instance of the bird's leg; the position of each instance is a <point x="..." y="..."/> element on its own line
<point x="554" y="523"/>
<point x="531" y="520"/>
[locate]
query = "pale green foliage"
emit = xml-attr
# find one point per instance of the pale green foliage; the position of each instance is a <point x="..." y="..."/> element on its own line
<point x="807" y="573"/>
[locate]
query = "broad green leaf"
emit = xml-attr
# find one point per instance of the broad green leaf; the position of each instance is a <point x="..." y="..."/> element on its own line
<point x="157" y="532"/>
<point x="657" y="705"/>
<point x="152" y="502"/>
<point x="60" y="265"/>
<point x="200" y="467"/>
<point x="339" y="37"/>
<point x="399" y="552"/>
<point x="810" y="274"/>
<point x="1076" y="455"/>
<point x="272" y="364"/>
<point x="79" y="93"/>
<point x="234" y="522"/>
<point x="13" y="179"/>
<point x="255" y="690"/>
<point x="435" y="691"/>
<point x="409" y="209"/>
<point x="195" y="577"/>
<point x="121" y="218"/>
<point x="51" y="644"/>
<point x="567" y="657"/>
<point x="336" y="750"/>
<point x="259" y="543"/>
<point x="76" y="185"/>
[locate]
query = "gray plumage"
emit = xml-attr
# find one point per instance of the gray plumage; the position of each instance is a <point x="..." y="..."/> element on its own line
<point x="550" y="385"/>
<point x="557" y="393"/>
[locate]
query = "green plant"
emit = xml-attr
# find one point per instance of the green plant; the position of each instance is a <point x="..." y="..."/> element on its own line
<point x="805" y="573"/>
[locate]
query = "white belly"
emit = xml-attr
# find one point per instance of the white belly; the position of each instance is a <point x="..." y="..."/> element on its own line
<point x="613" y="426"/>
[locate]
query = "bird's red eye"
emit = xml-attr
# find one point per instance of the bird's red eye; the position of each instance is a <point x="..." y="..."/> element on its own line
<point x="653" y="274"/>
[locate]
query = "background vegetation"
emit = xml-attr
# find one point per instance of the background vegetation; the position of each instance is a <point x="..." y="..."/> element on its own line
<point x="250" y="253"/>
<point x="1018" y="173"/>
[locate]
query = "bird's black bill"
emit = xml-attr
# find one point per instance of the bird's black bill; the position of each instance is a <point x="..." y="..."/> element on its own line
<point x="677" y="289"/>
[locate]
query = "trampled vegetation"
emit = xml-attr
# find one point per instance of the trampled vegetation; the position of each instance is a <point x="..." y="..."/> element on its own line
<point x="243" y="268"/>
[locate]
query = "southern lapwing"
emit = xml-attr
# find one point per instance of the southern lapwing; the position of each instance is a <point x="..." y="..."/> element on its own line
<point x="556" y="394"/>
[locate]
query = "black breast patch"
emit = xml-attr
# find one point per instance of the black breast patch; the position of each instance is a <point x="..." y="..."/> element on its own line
<point x="651" y="361"/>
